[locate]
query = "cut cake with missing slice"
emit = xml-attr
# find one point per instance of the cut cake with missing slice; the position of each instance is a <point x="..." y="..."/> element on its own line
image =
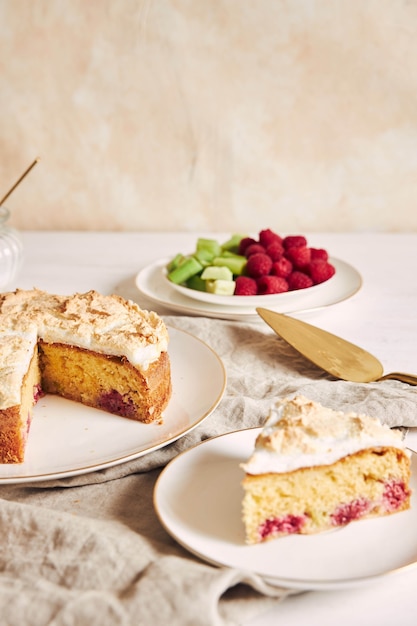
<point x="102" y="351"/>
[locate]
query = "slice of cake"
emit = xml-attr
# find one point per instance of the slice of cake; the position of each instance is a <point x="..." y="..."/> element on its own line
<point x="102" y="351"/>
<point x="314" y="469"/>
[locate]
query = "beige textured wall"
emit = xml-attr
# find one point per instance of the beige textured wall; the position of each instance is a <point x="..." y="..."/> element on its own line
<point x="210" y="114"/>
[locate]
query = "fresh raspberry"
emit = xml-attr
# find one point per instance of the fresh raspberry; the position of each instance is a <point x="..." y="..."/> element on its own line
<point x="319" y="253"/>
<point x="300" y="256"/>
<point x="258" y="264"/>
<point x="244" y="243"/>
<point x="275" y="251"/>
<point x="282" y="267"/>
<point x="271" y="284"/>
<point x="254" y="248"/>
<point x="267" y="236"/>
<point x="245" y="286"/>
<point x="299" y="280"/>
<point x="320" y="271"/>
<point x="294" y="240"/>
<point x="278" y="264"/>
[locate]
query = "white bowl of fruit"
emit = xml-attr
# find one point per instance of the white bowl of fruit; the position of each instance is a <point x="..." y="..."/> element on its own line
<point x="247" y="271"/>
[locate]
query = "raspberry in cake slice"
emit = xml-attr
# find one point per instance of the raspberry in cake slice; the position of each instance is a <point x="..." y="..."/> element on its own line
<point x="102" y="351"/>
<point x="314" y="469"/>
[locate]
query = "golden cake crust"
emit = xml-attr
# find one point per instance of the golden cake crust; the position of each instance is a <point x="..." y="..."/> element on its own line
<point x="12" y="444"/>
<point x="103" y="351"/>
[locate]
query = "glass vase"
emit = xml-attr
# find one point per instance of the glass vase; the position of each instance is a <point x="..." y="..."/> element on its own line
<point x="11" y="250"/>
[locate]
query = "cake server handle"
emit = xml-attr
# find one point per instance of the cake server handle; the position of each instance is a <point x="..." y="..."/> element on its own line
<point x="411" y="379"/>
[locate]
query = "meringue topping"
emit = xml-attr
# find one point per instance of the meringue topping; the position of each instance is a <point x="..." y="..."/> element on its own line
<point x="104" y="324"/>
<point x="301" y="433"/>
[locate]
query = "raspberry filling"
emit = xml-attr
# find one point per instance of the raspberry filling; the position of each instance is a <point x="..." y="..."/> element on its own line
<point x="37" y="393"/>
<point x="286" y="525"/>
<point x="350" y="511"/>
<point x="114" y="402"/>
<point x="395" y="493"/>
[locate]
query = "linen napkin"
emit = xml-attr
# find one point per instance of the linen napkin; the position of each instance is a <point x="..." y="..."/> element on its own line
<point x="90" y="549"/>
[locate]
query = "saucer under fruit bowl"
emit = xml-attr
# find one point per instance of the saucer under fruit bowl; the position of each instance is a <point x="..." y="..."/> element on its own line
<point x="285" y="298"/>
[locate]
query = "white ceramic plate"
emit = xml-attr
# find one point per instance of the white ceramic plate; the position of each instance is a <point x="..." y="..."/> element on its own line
<point x="287" y="299"/>
<point x="198" y="500"/>
<point x="152" y="283"/>
<point x="68" y="439"/>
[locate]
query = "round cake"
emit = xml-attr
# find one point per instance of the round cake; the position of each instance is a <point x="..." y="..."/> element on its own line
<point x="102" y="351"/>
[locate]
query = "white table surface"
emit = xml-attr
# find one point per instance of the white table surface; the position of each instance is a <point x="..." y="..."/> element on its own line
<point x="381" y="317"/>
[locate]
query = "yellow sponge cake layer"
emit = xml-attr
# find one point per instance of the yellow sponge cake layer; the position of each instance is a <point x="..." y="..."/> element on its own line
<point x="314" y="469"/>
<point x="102" y="351"/>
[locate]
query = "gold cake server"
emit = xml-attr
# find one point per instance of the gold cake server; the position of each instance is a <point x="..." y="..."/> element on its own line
<point x="334" y="355"/>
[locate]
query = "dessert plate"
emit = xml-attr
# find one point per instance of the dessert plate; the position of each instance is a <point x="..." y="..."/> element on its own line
<point x="198" y="500"/>
<point x="152" y="283"/>
<point x="68" y="439"/>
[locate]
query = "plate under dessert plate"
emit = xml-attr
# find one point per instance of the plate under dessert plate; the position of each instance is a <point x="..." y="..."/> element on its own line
<point x="152" y="283"/>
<point x="198" y="500"/>
<point x="68" y="439"/>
